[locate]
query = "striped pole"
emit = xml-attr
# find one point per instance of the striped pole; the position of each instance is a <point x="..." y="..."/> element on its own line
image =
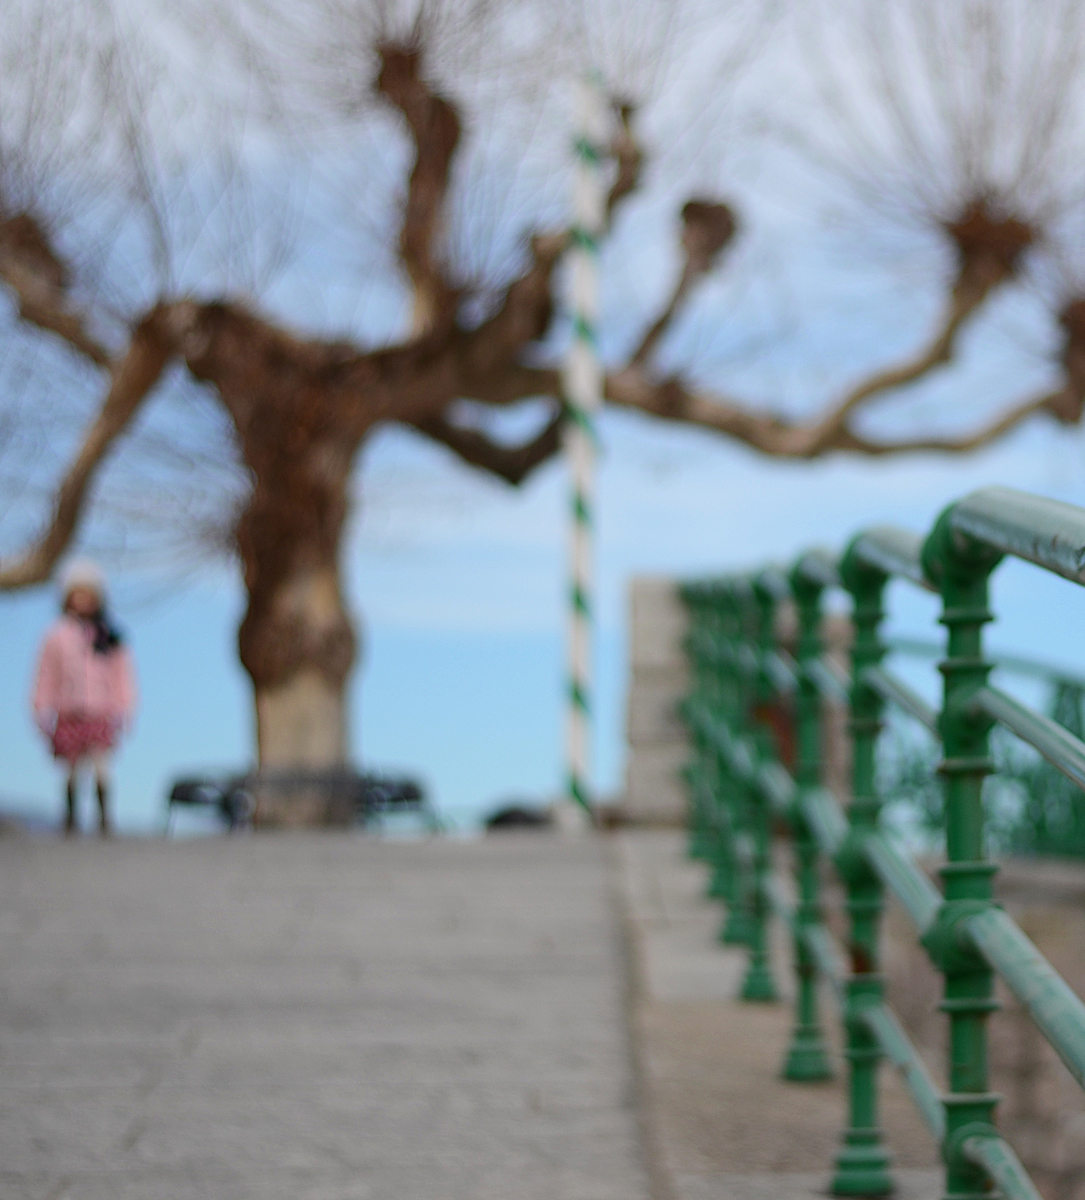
<point x="583" y="389"/>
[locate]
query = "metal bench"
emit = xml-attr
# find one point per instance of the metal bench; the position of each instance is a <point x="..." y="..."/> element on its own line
<point x="370" y="796"/>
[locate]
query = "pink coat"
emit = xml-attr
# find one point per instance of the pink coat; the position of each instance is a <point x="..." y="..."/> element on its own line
<point x="72" y="678"/>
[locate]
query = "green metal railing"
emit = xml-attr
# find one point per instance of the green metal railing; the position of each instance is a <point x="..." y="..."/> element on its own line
<point x="745" y="778"/>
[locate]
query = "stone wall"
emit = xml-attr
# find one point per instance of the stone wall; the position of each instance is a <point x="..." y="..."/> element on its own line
<point x="659" y="678"/>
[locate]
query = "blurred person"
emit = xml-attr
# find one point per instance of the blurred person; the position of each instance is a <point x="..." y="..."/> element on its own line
<point x="84" y="693"/>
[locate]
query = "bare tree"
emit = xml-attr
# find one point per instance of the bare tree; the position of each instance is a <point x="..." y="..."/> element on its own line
<point x="395" y="96"/>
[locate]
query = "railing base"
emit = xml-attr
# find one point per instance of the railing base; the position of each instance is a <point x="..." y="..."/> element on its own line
<point x="862" y="1167"/>
<point x="759" y="986"/>
<point x="808" y="1057"/>
<point x="735" y="930"/>
<point x="719" y="883"/>
<point x="700" y="846"/>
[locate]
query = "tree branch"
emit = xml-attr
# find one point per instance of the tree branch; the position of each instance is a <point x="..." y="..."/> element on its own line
<point x="38" y="278"/>
<point x="779" y="438"/>
<point x="523" y="317"/>
<point x="519" y="381"/>
<point x="511" y="463"/>
<point x="707" y="227"/>
<point x="489" y="352"/>
<point x="627" y="155"/>
<point x="989" y="248"/>
<point x="937" y="354"/>
<point x="435" y="127"/>
<point x="1002" y="424"/>
<point x="133" y="377"/>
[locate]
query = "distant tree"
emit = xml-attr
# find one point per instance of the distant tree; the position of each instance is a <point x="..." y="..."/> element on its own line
<point x="159" y="170"/>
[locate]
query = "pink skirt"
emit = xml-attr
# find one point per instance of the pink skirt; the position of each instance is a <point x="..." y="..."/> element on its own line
<point x="77" y="736"/>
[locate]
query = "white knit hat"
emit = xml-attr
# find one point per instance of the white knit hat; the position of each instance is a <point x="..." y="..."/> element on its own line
<point x="82" y="573"/>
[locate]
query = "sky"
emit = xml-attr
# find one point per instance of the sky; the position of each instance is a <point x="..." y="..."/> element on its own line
<point x="459" y="582"/>
<point x="460" y="588"/>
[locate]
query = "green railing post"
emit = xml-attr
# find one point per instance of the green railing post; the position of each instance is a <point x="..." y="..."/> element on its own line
<point x="695" y="773"/>
<point x="708" y="836"/>
<point x="709" y="641"/>
<point x="721" y="884"/>
<point x="960" y="567"/>
<point x="736" y="929"/>
<point x="759" y="984"/>
<point x="862" y="1166"/>
<point x="807" y="1056"/>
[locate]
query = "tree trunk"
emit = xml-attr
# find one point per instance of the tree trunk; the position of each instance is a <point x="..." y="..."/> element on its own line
<point x="297" y="641"/>
<point x="300" y="413"/>
<point x="301" y="723"/>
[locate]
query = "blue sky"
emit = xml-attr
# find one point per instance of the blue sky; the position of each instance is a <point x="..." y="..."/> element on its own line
<point x="459" y="581"/>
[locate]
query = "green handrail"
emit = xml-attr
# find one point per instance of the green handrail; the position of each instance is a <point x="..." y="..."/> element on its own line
<point x="1000" y="1164"/>
<point x="777" y="786"/>
<point x="1057" y="745"/>
<point x="1057" y="1010"/>
<point x="781" y="669"/>
<point x="919" y="898"/>
<point x="818" y="567"/>
<point x="746" y="683"/>
<point x="898" y="1049"/>
<point x="892" y="552"/>
<point x="829" y="685"/>
<point x="1045" y="532"/>
<point x="827" y="820"/>
<point x="829" y="961"/>
<point x="890" y="688"/>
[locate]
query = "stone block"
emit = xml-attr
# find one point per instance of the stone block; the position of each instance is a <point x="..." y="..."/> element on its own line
<point x="658" y="623"/>
<point x="655" y="792"/>
<point x="652" y="709"/>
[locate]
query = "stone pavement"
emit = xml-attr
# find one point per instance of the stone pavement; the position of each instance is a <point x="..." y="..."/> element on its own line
<point x="313" y="1017"/>
<point x="328" y="1017"/>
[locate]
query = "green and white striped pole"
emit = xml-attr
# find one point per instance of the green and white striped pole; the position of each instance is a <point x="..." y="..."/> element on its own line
<point x="583" y="388"/>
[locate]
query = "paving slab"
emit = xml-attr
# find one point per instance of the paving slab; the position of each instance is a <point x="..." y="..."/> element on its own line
<point x="314" y="1017"/>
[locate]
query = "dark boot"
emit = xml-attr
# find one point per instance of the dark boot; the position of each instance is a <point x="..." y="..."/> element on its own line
<point x="103" y="809"/>
<point x="69" y="820"/>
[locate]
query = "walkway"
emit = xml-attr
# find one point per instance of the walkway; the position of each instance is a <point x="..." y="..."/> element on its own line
<point x="335" y="1018"/>
<point x="313" y="1017"/>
